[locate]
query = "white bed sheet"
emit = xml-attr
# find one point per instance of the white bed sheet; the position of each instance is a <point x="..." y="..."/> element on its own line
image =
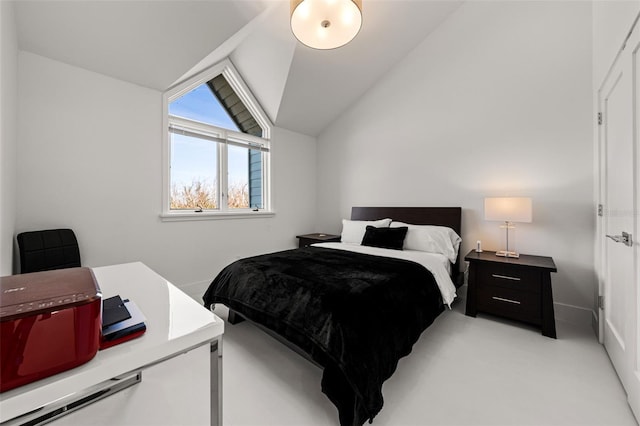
<point x="435" y="263"/>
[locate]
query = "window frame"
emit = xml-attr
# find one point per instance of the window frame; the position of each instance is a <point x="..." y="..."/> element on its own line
<point x="227" y="69"/>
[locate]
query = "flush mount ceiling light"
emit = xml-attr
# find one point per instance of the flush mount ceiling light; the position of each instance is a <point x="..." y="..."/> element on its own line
<point x="326" y="24"/>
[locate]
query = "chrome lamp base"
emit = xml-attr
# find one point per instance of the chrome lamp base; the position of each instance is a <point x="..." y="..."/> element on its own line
<point x="504" y="253"/>
<point x="507" y="253"/>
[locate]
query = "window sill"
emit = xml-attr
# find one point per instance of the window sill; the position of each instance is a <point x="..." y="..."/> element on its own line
<point x="186" y="216"/>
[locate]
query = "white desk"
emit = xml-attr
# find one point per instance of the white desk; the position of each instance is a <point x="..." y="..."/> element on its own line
<point x="178" y="359"/>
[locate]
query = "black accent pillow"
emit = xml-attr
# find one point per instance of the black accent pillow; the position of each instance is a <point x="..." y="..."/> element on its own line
<point x="391" y="238"/>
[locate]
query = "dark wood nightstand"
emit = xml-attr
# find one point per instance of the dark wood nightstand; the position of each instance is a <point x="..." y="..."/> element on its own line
<point x="519" y="289"/>
<point x="308" y="239"/>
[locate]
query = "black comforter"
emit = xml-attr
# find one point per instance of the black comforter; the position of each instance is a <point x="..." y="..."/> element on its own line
<point x="354" y="314"/>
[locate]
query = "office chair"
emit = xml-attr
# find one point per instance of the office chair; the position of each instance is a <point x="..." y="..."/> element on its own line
<point x="48" y="249"/>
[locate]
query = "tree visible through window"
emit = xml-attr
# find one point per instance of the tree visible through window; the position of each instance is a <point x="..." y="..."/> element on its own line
<point x="218" y="153"/>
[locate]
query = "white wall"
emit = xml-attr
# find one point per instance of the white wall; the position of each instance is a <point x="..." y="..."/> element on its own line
<point x="8" y="133"/>
<point x="89" y="158"/>
<point x="497" y="101"/>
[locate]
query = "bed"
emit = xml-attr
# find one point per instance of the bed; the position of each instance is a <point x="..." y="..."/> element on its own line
<point x="354" y="309"/>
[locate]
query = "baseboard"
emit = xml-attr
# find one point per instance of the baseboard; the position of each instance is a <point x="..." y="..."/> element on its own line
<point x="196" y="290"/>
<point x="595" y="324"/>
<point x="573" y="314"/>
<point x="563" y="312"/>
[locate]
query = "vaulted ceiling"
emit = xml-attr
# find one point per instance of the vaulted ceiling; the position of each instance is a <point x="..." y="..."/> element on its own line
<point x="157" y="44"/>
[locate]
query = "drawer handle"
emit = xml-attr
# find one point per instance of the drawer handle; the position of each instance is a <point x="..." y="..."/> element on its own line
<point x="515" y="302"/>
<point x="74" y="401"/>
<point x="505" y="277"/>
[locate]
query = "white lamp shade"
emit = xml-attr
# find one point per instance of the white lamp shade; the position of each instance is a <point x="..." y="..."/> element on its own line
<point x="326" y="24"/>
<point x="508" y="209"/>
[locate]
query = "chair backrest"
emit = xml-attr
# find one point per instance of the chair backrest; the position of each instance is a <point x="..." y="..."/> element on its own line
<point x="48" y="249"/>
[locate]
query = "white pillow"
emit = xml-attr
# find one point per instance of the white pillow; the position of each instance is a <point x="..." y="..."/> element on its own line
<point x="432" y="239"/>
<point x="353" y="230"/>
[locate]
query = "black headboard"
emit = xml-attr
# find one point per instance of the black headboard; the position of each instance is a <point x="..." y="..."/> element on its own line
<point x="441" y="216"/>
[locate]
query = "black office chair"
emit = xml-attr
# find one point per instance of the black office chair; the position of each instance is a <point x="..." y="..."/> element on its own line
<point x="48" y="249"/>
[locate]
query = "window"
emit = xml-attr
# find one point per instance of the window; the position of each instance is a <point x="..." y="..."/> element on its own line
<point x="217" y="150"/>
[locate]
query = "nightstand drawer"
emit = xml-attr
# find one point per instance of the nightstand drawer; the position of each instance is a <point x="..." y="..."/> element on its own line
<point x="510" y="276"/>
<point x="511" y="303"/>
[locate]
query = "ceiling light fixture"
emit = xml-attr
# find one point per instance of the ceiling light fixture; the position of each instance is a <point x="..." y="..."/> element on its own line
<point x="326" y="24"/>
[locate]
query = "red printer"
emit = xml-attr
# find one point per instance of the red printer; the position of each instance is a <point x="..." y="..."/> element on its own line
<point x="49" y="322"/>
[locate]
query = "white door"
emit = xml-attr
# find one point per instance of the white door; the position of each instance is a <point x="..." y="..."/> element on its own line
<point x="620" y="182"/>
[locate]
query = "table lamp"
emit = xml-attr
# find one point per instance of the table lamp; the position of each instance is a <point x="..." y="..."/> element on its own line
<point x="508" y="210"/>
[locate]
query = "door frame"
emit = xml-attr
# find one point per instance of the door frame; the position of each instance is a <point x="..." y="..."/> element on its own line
<point x="633" y="392"/>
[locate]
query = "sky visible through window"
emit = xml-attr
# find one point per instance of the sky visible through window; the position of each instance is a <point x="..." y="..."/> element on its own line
<point x="194" y="159"/>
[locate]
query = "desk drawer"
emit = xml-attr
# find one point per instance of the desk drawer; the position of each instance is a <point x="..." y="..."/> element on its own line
<point x="510" y="276"/>
<point x="507" y="302"/>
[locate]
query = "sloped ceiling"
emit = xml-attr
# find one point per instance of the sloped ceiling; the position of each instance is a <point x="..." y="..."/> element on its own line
<point x="150" y="43"/>
<point x="157" y="44"/>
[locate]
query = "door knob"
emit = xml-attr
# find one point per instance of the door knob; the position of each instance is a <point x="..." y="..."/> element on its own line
<point x="625" y="238"/>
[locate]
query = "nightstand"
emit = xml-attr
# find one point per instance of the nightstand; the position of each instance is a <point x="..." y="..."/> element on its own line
<point x="518" y="289"/>
<point x="308" y="239"/>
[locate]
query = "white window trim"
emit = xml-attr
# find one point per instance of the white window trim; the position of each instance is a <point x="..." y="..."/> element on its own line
<point x="227" y="69"/>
